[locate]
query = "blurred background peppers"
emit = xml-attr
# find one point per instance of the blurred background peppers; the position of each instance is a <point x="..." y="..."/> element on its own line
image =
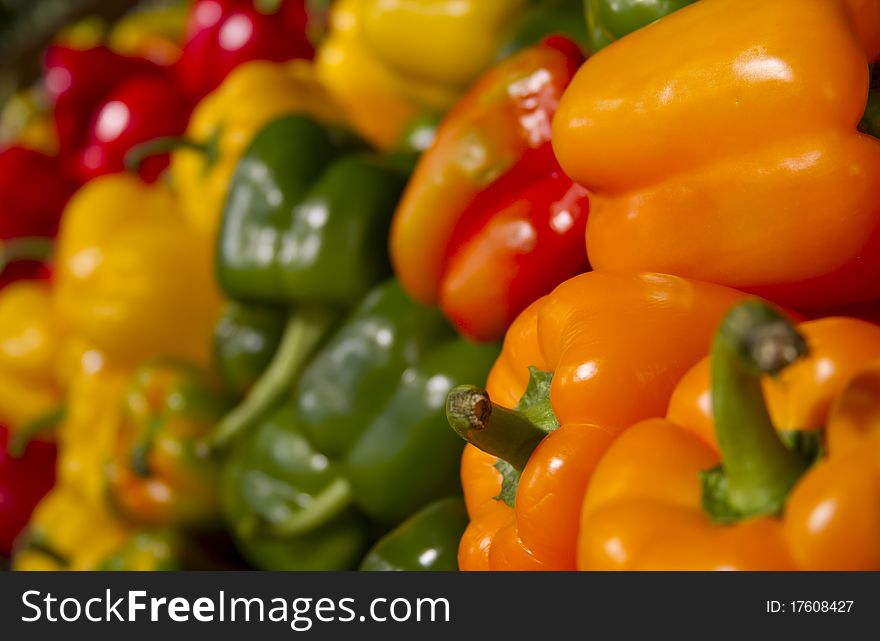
<point x="105" y="103"/>
<point x="589" y="359"/>
<point x="25" y="477"/>
<point x="223" y="34"/>
<point x="359" y="444"/>
<point x="31" y="396"/>
<point x="30" y="342"/>
<point x="386" y="62"/>
<point x="337" y="455"/>
<point x="69" y="533"/>
<point x="304" y="228"/>
<point x="132" y="277"/>
<point x="35" y="189"/>
<point x="489" y="222"/>
<point x="223" y="125"/>
<point x="740" y="204"/>
<point x="609" y="20"/>
<point x="161" y="472"/>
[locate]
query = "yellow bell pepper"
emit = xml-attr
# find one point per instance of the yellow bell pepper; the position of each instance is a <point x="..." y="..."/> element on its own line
<point x="29" y="339"/>
<point x="385" y="61"/>
<point x="83" y="34"/>
<point x="87" y="435"/>
<point x="153" y="32"/>
<point x="132" y="277"/>
<point x="67" y="532"/>
<point x="224" y="123"/>
<point x="26" y="121"/>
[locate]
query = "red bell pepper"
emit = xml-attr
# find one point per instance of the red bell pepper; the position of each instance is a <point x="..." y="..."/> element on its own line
<point x="24" y="480"/>
<point x="489" y="222"/>
<point x="104" y="104"/>
<point x="35" y="190"/>
<point x="222" y="34"/>
<point x="78" y="81"/>
<point x="146" y="107"/>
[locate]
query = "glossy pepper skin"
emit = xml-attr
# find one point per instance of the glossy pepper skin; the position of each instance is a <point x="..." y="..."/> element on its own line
<point x="162" y="473"/>
<point x="223" y="34"/>
<point x="305" y="227"/>
<point x="610" y="20"/>
<point x="489" y="222"/>
<point x="781" y="510"/>
<point x="132" y="277"/>
<point x="363" y="436"/>
<point x="425" y="542"/>
<point x="24" y="480"/>
<point x="304" y="203"/>
<point x="385" y="62"/>
<point x="224" y="123"/>
<point x="616" y="346"/>
<point x="137" y="110"/>
<point x="79" y="80"/>
<point x="674" y="192"/>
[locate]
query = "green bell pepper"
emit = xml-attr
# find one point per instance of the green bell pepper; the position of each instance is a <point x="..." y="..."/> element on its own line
<point x="610" y="20"/>
<point x="305" y="226"/>
<point x="427" y="541"/>
<point x="545" y="18"/>
<point x="360" y="445"/>
<point x="245" y="340"/>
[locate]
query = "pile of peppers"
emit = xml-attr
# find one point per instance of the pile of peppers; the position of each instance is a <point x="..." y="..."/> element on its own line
<point x="430" y="285"/>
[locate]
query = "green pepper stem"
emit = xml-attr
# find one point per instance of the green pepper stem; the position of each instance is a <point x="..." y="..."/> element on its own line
<point x="304" y="332"/>
<point x="754" y="340"/>
<point x="19" y="441"/>
<point x="42" y="547"/>
<point x="501" y="432"/>
<point x="27" y="248"/>
<point x="327" y="505"/>
<point x="140" y="452"/>
<point x="166" y="144"/>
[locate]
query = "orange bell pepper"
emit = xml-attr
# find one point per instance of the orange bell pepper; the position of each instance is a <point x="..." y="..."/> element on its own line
<point x="616" y="346"/>
<point x="721" y="143"/>
<point x="765" y="507"/>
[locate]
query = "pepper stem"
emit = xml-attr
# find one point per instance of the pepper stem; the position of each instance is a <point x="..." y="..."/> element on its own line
<point x="166" y="144"/>
<point x="503" y="433"/>
<point x="143" y="448"/>
<point x="29" y="431"/>
<point x="754" y="340"/>
<point x="304" y="332"/>
<point x="327" y="505"/>
<point x="25" y="248"/>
